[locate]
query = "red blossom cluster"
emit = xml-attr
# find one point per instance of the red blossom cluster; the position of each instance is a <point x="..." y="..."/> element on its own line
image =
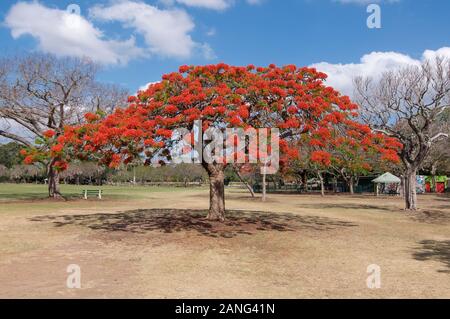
<point x="293" y="99"/>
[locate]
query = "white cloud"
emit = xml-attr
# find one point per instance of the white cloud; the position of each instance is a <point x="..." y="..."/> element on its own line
<point x="340" y="76"/>
<point x="207" y="52"/>
<point x="209" y="4"/>
<point x="442" y="52"/>
<point x="65" y="34"/>
<point x="166" y="32"/>
<point x="365" y="1"/>
<point x="254" y="2"/>
<point x="211" y="32"/>
<point x="219" y="5"/>
<point x="145" y="87"/>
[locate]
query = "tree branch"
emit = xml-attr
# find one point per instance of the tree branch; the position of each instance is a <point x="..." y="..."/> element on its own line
<point x="15" y="137"/>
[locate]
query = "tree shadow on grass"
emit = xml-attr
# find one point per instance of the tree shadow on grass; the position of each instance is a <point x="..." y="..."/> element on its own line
<point x="430" y="216"/>
<point x="434" y="250"/>
<point x="177" y="220"/>
<point x="441" y="207"/>
<point x="350" y="206"/>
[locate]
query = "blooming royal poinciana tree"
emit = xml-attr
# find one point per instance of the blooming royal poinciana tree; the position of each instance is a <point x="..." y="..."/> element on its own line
<point x="353" y="153"/>
<point x="293" y="100"/>
<point x="345" y="148"/>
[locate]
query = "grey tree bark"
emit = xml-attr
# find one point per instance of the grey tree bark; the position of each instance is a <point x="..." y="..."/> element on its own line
<point x="53" y="181"/>
<point x="216" y="191"/>
<point x="410" y="189"/>
<point x="264" y="186"/>
<point x="322" y="186"/>
<point x="241" y="178"/>
<point x="350" y="183"/>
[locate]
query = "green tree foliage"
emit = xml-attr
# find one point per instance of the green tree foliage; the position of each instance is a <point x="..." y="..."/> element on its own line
<point x="9" y="154"/>
<point x="182" y="173"/>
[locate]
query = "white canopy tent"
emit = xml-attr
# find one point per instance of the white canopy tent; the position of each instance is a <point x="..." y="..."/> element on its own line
<point x="387" y="179"/>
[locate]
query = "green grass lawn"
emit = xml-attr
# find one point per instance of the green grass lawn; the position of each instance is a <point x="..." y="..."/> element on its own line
<point x="12" y="192"/>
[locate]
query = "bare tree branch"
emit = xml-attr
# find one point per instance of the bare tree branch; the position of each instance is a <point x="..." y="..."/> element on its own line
<point x="409" y="104"/>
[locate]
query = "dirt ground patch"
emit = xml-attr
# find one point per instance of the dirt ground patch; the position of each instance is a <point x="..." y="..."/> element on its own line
<point x="160" y="246"/>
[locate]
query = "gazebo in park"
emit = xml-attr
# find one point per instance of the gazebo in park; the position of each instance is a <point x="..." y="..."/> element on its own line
<point x="389" y="182"/>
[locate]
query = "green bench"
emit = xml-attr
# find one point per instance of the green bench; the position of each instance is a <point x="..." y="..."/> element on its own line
<point x="89" y="192"/>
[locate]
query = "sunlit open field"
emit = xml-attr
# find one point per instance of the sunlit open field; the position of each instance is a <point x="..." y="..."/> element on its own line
<point x="154" y="243"/>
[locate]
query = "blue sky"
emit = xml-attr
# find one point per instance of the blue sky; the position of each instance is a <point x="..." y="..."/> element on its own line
<point x="138" y="41"/>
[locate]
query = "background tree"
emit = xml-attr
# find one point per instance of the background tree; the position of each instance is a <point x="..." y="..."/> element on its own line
<point x="354" y="151"/>
<point x="10" y="154"/>
<point x="438" y="159"/>
<point x="407" y="104"/>
<point x="40" y="94"/>
<point x="25" y="173"/>
<point x="318" y="163"/>
<point x="83" y="172"/>
<point x="240" y="171"/>
<point x="182" y="174"/>
<point x="187" y="173"/>
<point x="347" y="149"/>
<point x="4" y="173"/>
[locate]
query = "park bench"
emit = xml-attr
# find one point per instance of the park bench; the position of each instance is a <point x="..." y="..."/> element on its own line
<point x="87" y="192"/>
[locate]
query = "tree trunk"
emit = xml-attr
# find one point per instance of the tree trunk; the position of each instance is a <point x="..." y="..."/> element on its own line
<point x="402" y="186"/>
<point x="410" y="189"/>
<point x="53" y="181"/>
<point x="350" y="185"/>
<point x="264" y="186"/>
<point x="249" y="187"/>
<point x="305" y="181"/>
<point x="322" y="186"/>
<point x="216" y="192"/>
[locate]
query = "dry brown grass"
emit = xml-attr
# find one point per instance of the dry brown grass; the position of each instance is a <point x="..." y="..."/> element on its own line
<point x="292" y="246"/>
